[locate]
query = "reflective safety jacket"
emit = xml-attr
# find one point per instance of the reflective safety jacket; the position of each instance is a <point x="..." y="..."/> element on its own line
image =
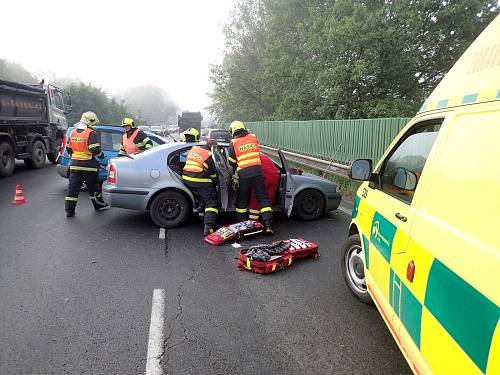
<point x="134" y="142"/>
<point x="199" y="167"/>
<point x="244" y="154"/>
<point x="83" y="145"/>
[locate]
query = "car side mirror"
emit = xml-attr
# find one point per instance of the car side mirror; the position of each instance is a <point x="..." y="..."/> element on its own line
<point x="405" y="179"/>
<point x="360" y="169"/>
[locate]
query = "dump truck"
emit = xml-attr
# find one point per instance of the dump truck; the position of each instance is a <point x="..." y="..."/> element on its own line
<point x="32" y="124"/>
<point x="189" y="120"/>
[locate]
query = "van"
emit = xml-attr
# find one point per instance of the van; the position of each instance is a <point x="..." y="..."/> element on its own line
<point x="423" y="243"/>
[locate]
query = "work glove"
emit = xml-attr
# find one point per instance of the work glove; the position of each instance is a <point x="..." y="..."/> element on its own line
<point x="235" y="181"/>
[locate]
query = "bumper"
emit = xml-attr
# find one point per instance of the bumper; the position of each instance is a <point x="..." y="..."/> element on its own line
<point x="130" y="198"/>
<point x="333" y="202"/>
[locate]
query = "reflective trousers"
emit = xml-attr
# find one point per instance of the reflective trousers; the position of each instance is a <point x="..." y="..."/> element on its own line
<point x="76" y="179"/>
<point x="208" y="201"/>
<point x="255" y="183"/>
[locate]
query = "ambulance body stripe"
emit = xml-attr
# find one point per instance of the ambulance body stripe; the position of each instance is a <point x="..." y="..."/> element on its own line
<point x="467" y="315"/>
<point x="366" y="245"/>
<point x="411" y="314"/>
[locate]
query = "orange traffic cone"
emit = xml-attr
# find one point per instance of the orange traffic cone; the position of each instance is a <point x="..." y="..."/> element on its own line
<point x="19" y="197"/>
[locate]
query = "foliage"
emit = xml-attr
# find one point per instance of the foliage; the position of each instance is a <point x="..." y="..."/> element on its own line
<point x="89" y="98"/>
<point x="340" y="59"/>
<point x="151" y="104"/>
<point x="10" y="71"/>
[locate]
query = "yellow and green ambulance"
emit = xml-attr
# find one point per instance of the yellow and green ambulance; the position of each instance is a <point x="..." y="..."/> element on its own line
<point x="424" y="240"/>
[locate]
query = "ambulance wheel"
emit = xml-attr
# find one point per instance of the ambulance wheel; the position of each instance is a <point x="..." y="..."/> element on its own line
<point x="353" y="268"/>
<point x="309" y="205"/>
<point x="169" y="209"/>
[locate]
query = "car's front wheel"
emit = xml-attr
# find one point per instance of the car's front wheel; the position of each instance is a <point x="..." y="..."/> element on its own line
<point x="169" y="209"/>
<point x="353" y="268"/>
<point x="309" y="205"/>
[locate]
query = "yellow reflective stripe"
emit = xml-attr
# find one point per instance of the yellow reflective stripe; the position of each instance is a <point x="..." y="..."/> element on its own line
<point x="247" y="264"/>
<point x="93" y="145"/>
<point x="252" y="211"/>
<point x="246" y="162"/>
<point x="85" y="169"/>
<point x="192" y="168"/>
<point x="212" y="210"/>
<point x="71" y="199"/>
<point x="192" y="162"/>
<point x="266" y="209"/>
<point x="249" y="155"/>
<point x="213" y="175"/>
<point x="253" y="217"/>
<point x="274" y="267"/>
<point x="195" y="179"/>
<point x="205" y="165"/>
<point x="241" y="210"/>
<point x="231" y="159"/>
<point x="81" y="155"/>
<point x="148" y="146"/>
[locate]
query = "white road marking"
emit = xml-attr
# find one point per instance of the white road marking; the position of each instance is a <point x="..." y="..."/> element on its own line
<point x="156" y="332"/>
<point x="162" y="234"/>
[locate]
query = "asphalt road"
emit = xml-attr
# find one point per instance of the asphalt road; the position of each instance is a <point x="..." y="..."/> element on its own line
<point x="75" y="296"/>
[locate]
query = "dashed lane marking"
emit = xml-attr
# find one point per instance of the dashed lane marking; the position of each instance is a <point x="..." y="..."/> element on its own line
<point x="156" y="332"/>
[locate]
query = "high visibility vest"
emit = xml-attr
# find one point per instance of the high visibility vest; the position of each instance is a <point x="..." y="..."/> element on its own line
<point x="129" y="143"/>
<point x="246" y="150"/>
<point x="79" y="144"/>
<point x="196" y="168"/>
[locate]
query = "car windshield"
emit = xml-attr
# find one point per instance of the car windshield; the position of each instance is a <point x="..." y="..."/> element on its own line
<point x="110" y="141"/>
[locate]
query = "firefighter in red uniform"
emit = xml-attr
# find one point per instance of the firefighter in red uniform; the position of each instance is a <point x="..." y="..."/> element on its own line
<point x="243" y="153"/>
<point x="82" y="146"/>
<point x="134" y="141"/>
<point x="199" y="175"/>
<point x="272" y="177"/>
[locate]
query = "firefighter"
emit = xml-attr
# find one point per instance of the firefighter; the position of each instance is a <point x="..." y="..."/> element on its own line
<point x="243" y="154"/>
<point x="272" y="176"/>
<point x="134" y="141"/>
<point x="199" y="175"/>
<point x="83" y="145"/>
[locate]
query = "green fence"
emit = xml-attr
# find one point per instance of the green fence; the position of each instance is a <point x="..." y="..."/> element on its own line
<point x="337" y="140"/>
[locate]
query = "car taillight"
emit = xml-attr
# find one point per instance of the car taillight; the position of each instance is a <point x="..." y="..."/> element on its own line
<point x="112" y="174"/>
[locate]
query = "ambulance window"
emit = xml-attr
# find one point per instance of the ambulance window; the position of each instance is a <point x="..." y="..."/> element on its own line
<point x="408" y="157"/>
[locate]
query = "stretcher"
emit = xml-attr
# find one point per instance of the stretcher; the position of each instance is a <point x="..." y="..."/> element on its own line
<point x="241" y="231"/>
<point x="276" y="256"/>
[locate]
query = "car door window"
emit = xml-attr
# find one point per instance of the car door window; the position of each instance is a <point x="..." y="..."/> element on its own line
<point x="409" y="156"/>
<point x="111" y="141"/>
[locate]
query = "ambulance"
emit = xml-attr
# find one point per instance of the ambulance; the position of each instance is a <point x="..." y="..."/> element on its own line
<point x="424" y="240"/>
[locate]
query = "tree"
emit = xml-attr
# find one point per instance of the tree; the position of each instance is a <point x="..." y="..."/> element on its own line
<point x="10" y="71"/>
<point x="340" y="59"/>
<point x="151" y="104"/>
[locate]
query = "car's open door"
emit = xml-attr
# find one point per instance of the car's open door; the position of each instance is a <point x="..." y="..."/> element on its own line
<point x="224" y="172"/>
<point x="287" y="186"/>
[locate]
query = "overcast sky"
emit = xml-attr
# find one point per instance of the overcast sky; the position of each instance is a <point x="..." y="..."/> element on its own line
<point x="117" y="44"/>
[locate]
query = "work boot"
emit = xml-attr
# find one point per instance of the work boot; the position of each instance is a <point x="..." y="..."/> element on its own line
<point x="269" y="231"/>
<point x="70" y="214"/>
<point x="208" y="230"/>
<point x="97" y="208"/>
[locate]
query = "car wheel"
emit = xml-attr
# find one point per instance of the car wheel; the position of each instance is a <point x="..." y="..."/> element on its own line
<point x="52" y="156"/>
<point x="169" y="209"/>
<point x="7" y="161"/>
<point x="309" y="205"/>
<point x="353" y="268"/>
<point x="38" y="156"/>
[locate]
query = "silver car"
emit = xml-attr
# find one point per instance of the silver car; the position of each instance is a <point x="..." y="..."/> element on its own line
<point x="152" y="181"/>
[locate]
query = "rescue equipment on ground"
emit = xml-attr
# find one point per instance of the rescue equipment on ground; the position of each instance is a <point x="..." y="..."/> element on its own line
<point x="19" y="196"/>
<point x="241" y="231"/>
<point x="276" y="256"/>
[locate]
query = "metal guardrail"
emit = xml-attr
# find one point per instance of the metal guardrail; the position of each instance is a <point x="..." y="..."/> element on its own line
<point x="325" y="166"/>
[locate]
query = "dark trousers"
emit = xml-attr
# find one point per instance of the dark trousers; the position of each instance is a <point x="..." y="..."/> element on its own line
<point x="255" y="183"/>
<point x="76" y="179"/>
<point x="208" y="201"/>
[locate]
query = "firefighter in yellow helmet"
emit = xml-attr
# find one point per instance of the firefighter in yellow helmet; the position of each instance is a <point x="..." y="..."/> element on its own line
<point x="199" y="175"/>
<point x="83" y="146"/>
<point x="134" y="141"/>
<point x="243" y="154"/>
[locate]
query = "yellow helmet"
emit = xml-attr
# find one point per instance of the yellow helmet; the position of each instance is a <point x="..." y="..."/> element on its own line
<point x="128" y="121"/>
<point x="235" y="126"/>
<point x="90" y="119"/>
<point x="189" y="135"/>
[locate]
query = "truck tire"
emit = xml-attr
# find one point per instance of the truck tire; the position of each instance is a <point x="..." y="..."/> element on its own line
<point x="52" y="156"/>
<point x="7" y="159"/>
<point x="38" y="156"/>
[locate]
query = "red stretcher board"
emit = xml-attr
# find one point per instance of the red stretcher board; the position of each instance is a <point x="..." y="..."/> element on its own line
<point x="296" y="248"/>
<point x="241" y="231"/>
